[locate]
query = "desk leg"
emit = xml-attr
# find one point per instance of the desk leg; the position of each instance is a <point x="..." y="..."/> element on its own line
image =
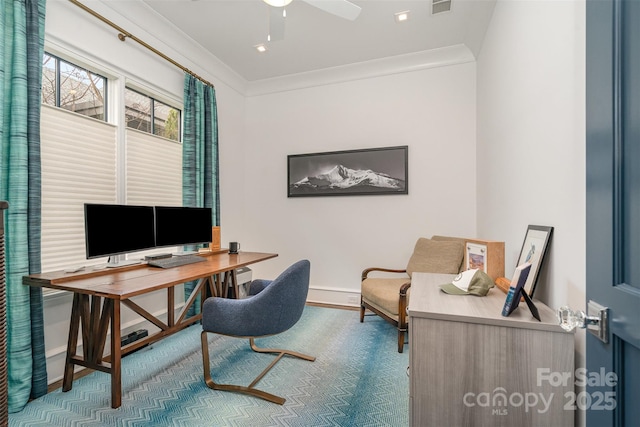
<point x="116" y="356"/>
<point x="229" y="285"/>
<point x="225" y="285"/>
<point x="72" y="343"/>
<point x="215" y="285"/>
<point x="209" y="289"/>
<point x="101" y="331"/>
<point x="213" y="291"/>
<point x="203" y="292"/>
<point x="220" y="285"/>
<point x="171" y="306"/>
<point x="234" y="284"/>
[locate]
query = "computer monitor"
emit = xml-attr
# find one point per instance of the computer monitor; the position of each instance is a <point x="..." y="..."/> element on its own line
<point x="117" y="229"/>
<point x="178" y="226"/>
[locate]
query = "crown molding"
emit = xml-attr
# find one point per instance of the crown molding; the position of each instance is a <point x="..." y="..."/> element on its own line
<point x="442" y="57"/>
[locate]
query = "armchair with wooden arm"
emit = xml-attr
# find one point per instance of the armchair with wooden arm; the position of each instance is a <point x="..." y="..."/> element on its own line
<point x="388" y="297"/>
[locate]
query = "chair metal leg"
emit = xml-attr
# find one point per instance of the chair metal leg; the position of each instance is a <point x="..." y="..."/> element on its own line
<point x="283" y="352"/>
<point x="250" y="389"/>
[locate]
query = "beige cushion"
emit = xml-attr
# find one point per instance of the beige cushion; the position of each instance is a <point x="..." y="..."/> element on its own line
<point x="436" y="256"/>
<point x="448" y="238"/>
<point x="383" y="293"/>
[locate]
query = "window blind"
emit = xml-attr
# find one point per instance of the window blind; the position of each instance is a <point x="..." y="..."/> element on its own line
<point x="154" y="173"/>
<point x="154" y="170"/>
<point x="78" y="166"/>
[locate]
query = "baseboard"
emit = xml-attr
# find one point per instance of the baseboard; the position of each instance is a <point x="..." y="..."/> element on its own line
<point x="334" y="296"/>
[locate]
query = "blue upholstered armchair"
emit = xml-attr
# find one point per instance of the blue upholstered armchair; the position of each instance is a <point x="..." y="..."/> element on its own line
<point x="272" y="307"/>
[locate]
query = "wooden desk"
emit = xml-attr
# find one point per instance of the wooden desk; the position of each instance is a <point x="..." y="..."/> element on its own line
<point x="97" y="296"/>
<point x="469" y="365"/>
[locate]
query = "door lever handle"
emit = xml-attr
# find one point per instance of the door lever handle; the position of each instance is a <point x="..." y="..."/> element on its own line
<point x="595" y="321"/>
<point x="570" y="320"/>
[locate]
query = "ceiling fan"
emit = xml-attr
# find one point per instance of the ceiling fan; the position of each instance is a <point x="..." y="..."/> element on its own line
<point x="341" y="8"/>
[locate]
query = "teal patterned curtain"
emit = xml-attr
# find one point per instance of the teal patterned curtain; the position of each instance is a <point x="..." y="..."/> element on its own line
<point x="21" y="50"/>
<point x="200" y="184"/>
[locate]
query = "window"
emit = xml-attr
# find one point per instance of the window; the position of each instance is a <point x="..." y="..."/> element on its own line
<point x="149" y="115"/>
<point x="73" y="88"/>
<point x="92" y="161"/>
<point x="137" y="110"/>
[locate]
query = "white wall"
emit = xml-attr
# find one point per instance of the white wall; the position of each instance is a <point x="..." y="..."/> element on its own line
<point x="531" y="139"/>
<point x="431" y="110"/>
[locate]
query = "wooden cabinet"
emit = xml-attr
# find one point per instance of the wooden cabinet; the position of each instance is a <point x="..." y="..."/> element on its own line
<point x="470" y="366"/>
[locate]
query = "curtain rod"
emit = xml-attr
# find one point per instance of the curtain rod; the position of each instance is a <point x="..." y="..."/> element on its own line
<point x="123" y="34"/>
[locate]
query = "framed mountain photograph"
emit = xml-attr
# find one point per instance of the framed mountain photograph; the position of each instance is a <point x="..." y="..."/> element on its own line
<point x="370" y="171"/>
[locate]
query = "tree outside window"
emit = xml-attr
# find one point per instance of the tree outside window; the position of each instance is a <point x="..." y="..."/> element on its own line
<point x="73" y="88"/>
<point x="147" y="114"/>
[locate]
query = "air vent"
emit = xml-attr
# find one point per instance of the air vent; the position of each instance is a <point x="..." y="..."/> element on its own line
<point x="439" y="6"/>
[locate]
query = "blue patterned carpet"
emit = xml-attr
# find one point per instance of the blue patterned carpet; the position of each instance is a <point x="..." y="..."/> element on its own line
<point x="358" y="379"/>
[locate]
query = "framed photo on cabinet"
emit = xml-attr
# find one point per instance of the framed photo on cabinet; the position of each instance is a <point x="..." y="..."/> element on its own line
<point x="476" y="256"/>
<point x="534" y="248"/>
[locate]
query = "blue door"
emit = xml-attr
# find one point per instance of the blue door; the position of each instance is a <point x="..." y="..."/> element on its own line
<point x="613" y="210"/>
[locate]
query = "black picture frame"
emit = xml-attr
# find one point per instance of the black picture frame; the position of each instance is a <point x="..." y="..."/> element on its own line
<point x="534" y="248"/>
<point x="372" y="171"/>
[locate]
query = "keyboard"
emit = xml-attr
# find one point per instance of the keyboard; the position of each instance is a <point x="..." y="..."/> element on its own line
<point x="175" y="261"/>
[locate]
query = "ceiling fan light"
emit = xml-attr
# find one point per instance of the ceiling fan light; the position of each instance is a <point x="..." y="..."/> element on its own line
<point x="277" y="3"/>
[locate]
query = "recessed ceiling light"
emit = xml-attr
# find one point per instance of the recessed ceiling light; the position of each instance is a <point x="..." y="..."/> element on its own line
<point x="402" y="16"/>
<point x="261" y="48"/>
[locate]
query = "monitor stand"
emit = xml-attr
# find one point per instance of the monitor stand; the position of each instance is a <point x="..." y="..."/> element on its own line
<point x="180" y="253"/>
<point x="122" y="262"/>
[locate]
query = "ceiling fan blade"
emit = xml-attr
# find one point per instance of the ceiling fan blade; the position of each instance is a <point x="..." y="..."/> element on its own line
<point x="342" y="8"/>
<point x="276" y="24"/>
